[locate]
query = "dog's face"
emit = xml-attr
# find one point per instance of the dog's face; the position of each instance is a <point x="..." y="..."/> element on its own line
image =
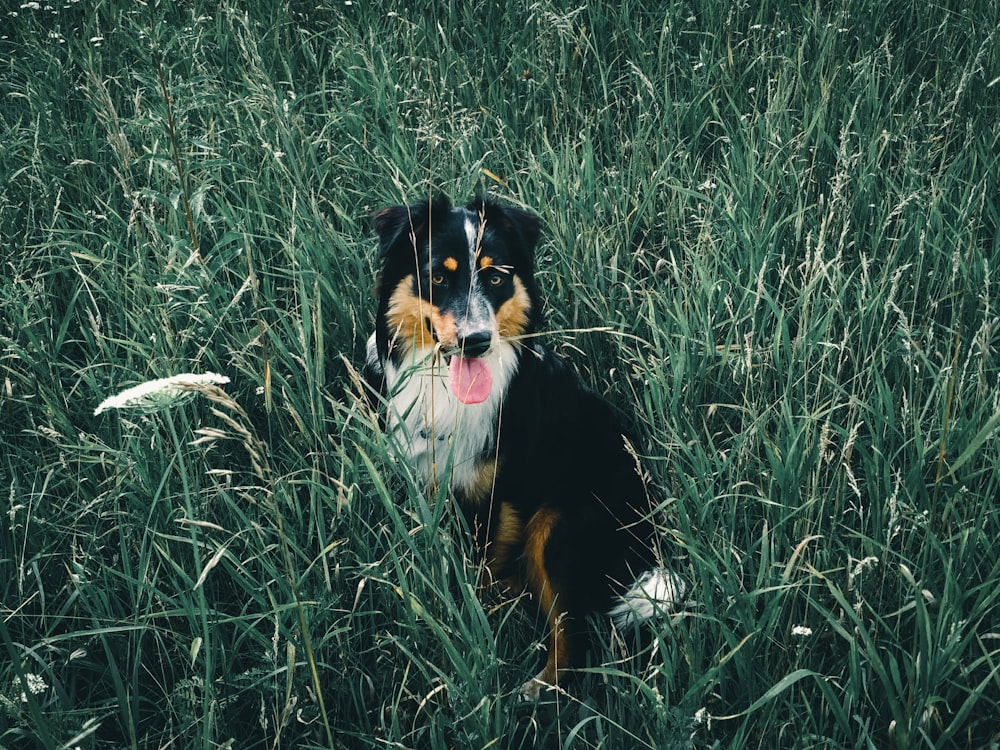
<point x="458" y="281"/>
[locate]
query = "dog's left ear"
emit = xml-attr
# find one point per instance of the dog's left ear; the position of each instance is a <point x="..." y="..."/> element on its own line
<point x="524" y="226"/>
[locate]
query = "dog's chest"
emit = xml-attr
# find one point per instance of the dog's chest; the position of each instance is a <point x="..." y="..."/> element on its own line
<point x="440" y="437"/>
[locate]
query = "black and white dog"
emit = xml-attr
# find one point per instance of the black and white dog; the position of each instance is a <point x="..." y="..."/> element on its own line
<point x="537" y="463"/>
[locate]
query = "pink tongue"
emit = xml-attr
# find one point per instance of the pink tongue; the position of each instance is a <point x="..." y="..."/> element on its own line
<point x="470" y="379"/>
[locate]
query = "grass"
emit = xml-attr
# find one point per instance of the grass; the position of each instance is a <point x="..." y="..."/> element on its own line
<point x="771" y="235"/>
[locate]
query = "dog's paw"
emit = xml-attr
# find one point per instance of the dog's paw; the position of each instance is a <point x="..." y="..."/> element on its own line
<point x="531" y="691"/>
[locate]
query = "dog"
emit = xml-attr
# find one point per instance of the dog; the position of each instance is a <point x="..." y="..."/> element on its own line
<point x="538" y="464"/>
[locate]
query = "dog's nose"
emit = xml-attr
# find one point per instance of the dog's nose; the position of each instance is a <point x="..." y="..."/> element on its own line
<point x="475" y="344"/>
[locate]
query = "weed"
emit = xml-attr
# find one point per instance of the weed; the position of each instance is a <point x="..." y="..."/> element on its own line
<point x="771" y="237"/>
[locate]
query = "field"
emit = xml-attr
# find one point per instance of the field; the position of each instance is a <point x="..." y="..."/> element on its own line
<point x="772" y="239"/>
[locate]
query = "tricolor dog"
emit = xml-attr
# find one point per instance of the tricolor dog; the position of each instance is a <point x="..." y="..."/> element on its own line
<point x="537" y="462"/>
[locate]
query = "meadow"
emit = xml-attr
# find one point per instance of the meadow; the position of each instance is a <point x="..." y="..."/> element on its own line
<point x="771" y="240"/>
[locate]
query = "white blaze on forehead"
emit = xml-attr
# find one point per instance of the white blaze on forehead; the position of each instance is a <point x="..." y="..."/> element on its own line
<point x="471" y="234"/>
<point x="479" y="315"/>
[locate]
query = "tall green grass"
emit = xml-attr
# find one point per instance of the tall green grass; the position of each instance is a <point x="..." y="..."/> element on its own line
<point x="771" y="236"/>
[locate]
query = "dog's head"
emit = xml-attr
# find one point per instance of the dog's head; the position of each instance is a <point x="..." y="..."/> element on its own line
<point x="456" y="280"/>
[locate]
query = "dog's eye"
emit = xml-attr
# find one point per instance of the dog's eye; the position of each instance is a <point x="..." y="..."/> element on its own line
<point x="438" y="279"/>
<point x="497" y="279"/>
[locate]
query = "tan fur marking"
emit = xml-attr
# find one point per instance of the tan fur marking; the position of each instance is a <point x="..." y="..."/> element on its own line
<point x="536" y="537"/>
<point x="444" y="327"/>
<point x="407" y="316"/>
<point x="481" y="487"/>
<point x="512" y="316"/>
<point x="504" y="545"/>
<point x="451" y="264"/>
<point x="485" y="261"/>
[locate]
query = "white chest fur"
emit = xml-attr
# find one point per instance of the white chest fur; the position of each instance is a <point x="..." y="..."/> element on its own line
<point x="429" y="428"/>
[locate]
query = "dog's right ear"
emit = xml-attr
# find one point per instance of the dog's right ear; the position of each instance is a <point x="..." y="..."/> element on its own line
<point x="398" y="226"/>
<point x="392" y="225"/>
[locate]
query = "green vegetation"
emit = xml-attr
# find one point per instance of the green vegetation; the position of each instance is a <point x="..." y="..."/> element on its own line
<point x="772" y="234"/>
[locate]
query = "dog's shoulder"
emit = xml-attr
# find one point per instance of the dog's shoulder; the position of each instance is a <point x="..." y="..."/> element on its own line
<point x="552" y="400"/>
<point x="552" y="377"/>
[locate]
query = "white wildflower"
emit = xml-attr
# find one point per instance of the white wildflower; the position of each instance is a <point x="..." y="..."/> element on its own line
<point x="36" y="685"/>
<point x="701" y="718"/>
<point x="868" y="562"/>
<point x="154" y="395"/>
<point x="803" y="631"/>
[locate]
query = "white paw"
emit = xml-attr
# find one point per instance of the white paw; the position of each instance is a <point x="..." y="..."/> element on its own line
<point x="531" y="691"/>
